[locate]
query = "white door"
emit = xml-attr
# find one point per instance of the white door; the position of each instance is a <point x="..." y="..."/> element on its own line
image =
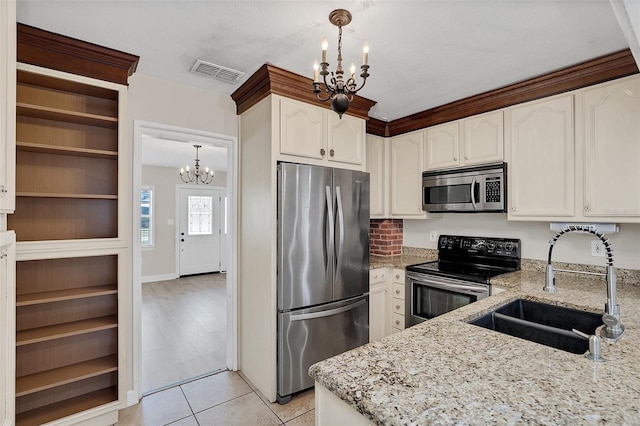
<point x="199" y="230"/>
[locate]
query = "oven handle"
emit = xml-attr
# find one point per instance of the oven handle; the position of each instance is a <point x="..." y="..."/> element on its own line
<point x="434" y="282"/>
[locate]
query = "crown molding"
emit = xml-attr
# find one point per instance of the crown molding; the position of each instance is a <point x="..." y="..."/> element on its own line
<point x="269" y="79"/>
<point x="609" y="67"/>
<point x="62" y="53"/>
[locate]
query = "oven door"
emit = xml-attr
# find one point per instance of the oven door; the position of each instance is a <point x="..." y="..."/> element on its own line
<point x="429" y="296"/>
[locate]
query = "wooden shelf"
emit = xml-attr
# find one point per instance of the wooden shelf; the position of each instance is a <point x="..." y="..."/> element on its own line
<point x="67" y="294"/>
<point x="67" y="407"/>
<point x="59" y="331"/>
<point x="65" y="195"/>
<point x="61" y="376"/>
<point x="65" y="150"/>
<point x="56" y="114"/>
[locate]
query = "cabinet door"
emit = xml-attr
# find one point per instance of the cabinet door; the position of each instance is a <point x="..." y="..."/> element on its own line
<point x="442" y="146"/>
<point x="406" y="175"/>
<point x="7" y="105"/>
<point x="377" y="311"/>
<point x="541" y="161"/>
<point x="7" y="326"/>
<point x="482" y="139"/>
<point x="377" y="175"/>
<point x="346" y="139"/>
<point x="612" y="150"/>
<point x="301" y="130"/>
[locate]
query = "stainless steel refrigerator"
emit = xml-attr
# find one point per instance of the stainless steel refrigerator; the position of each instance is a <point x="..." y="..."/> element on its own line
<point x="323" y="268"/>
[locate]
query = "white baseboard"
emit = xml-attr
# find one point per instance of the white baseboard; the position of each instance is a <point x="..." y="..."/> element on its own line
<point x="153" y="278"/>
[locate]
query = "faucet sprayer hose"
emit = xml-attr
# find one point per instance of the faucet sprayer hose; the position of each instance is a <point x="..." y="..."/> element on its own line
<point x="583" y="228"/>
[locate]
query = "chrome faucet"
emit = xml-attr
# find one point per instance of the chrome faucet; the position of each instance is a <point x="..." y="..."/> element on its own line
<point x="613" y="328"/>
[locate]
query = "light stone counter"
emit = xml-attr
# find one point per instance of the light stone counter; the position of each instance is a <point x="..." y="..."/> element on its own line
<point x="446" y="371"/>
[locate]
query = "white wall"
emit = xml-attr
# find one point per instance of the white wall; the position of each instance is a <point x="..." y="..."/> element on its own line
<point x="161" y="258"/>
<point x="535" y="236"/>
<point x="165" y="102"/>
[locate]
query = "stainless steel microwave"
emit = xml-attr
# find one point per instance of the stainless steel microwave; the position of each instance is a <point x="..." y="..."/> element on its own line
<point x="468" y="189"/>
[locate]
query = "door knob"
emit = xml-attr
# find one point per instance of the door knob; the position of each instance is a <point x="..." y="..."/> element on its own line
<point x="182" y="239"/>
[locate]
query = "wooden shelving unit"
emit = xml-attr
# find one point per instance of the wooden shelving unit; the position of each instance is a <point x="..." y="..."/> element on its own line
<point x="66" y="189"/>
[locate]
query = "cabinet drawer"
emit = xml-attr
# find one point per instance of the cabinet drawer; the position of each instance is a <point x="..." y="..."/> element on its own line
<point x="397" y="321"/>
<point x="397" y="306"/>
<point x="377" y="276"/>
<point x="398" y="276"/>
<point x="398" y="291"/>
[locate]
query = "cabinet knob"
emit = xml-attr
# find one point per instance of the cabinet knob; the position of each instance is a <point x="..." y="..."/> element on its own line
<point x="455" y="158"/>
<point x="466" y="158"/>
<point x="513" y="209"/>
<point x="322" y="151"/>
<point x="397" y="322"/>
<point x="397" y="306"/>
<point x="397" y="276"/>
<point x="3" y="191"/>
<point x="397" y="291"/>
<point x="331" y="152"/>
<point x="3" y="254"/>
<point x="587" y="208"/>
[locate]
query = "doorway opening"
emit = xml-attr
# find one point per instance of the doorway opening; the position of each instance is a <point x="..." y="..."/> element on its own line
<point x="184" y="287"/>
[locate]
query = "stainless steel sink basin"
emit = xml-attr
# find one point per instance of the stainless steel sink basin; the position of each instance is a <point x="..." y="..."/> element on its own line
<point x="542" y="323"/>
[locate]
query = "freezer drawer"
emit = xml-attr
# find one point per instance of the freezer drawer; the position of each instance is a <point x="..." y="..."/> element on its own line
<point x="307" y="336"/>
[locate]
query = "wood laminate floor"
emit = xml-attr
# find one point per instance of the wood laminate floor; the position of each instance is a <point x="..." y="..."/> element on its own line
<point x="183" y="329"/>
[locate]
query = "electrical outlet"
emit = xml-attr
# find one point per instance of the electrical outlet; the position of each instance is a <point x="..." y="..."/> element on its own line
<point x="597" y="248"/>
<point x="433" y="235"/>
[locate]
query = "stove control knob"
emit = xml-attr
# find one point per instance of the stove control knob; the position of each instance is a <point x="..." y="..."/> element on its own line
<point x="508" y="246"/>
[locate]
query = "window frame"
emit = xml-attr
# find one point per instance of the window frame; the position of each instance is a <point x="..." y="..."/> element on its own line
<point x="150" y="216"/>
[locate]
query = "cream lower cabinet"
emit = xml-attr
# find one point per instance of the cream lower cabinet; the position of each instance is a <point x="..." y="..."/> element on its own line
<point x="378" y="304"/>
<point x="475" y="140"/>
<point x="397" y="300"/>
<point x="541" y="159"/>
<point x="317" y="136"/>
<point x="611" y="123"/>
<point x="7" y="326"/>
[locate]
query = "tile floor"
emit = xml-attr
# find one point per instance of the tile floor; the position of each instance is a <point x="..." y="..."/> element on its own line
<point x="224" y="398"/>
<point x="183" y="329"/>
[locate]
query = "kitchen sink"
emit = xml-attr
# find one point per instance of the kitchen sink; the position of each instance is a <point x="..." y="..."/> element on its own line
<point x="542" y="323"/>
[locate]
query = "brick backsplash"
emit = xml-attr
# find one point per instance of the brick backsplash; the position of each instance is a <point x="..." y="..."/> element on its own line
<point x="385" y="237"/>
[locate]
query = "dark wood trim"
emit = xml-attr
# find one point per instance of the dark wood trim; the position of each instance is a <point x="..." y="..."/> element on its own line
<point x="62" y="53"/>
<point x="269" y="79"/>
<point x="378" y="127"/>
<point x="599" y="70"/>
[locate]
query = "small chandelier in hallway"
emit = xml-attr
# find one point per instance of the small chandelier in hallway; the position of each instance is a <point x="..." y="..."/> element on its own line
<point x="196" y="175"/>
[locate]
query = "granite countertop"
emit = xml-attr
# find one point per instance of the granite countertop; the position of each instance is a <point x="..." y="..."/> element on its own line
<point x="409" y="256"/>
<point x="446" y="371"/>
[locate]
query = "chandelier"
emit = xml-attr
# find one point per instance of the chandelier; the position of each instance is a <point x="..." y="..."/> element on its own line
<point x="340" y="92"/>
<point x="196" y="175"/>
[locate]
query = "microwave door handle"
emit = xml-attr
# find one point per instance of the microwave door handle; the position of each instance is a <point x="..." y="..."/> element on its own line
<point x="473" y="192"/>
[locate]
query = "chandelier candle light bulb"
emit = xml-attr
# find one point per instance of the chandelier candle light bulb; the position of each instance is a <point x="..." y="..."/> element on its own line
<point x="339" y="92"/>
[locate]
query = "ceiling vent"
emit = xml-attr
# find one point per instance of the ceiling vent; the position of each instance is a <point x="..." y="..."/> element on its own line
<point x="218" y="72"/>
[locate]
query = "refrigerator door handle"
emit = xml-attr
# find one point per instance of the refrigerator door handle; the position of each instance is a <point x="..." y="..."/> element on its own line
<point x="329" y="244"/>
<point x="330" y="312"/>
<point x="341" y="229"/>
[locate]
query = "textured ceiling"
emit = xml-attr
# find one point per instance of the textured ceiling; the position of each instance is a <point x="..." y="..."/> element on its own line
<point x="423" y="53"/>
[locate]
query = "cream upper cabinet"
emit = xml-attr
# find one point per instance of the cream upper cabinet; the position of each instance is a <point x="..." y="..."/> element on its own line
<point x="541" y="159"/>
<point x="7" y="105"/>
<point x="442" y="146"/>
<point x="302" y="130"/>
<point x="406" y="166"/>
<point x="611" y="114"/>
<point x="482" y="139"/>
<point x="317" y="136"/>
<point x="346" y="138"/>
<point x="378" y="176"/>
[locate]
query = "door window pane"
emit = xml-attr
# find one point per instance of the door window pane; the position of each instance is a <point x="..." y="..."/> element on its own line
<point x="200" y="215"/>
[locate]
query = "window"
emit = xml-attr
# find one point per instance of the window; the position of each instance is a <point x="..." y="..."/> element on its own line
<point x="146" y="216"/>
<point x="200" y="215"/>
